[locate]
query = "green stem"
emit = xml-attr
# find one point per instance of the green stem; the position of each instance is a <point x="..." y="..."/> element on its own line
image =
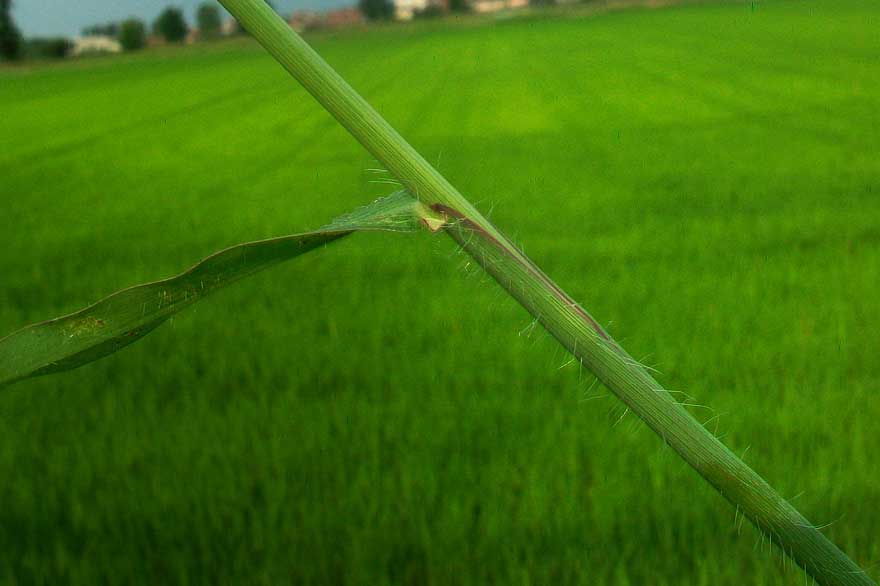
<point x="570" y="324"/>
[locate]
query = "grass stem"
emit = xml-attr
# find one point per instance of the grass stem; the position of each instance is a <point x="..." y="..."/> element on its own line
<point x="569" y="323"/>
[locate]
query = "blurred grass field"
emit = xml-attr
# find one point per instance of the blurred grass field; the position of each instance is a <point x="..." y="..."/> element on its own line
<point x="703" y="179"/>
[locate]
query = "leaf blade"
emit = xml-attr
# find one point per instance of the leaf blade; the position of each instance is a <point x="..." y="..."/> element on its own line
<point x="100" y="329"/>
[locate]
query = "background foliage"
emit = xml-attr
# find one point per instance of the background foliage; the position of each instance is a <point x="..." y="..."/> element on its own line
<point x="171" y="24"/>
<point x="208" y="20"/>
<point x="376" y="9"/>
<point x="132" y="34"/>
<point x="10" y="36"/>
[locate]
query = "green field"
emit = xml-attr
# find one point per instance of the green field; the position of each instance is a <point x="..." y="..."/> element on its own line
<point x="705" y="180"/>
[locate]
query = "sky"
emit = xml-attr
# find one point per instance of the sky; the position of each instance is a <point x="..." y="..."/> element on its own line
<point x="68" y="17"/>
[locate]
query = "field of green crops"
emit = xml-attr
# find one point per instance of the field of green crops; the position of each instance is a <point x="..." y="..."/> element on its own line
<point x="705" y="180"/>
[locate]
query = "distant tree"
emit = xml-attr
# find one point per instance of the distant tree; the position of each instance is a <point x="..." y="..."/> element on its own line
<point x="209" y="23"/>
<point x="51" y="48"/>
<point x="376" y="9"/>
<point x="459" y="6"/>
<point x="132" y="34"/>
<point x="10" y="38"/>
<point x="171" y="25"/>
<point x="110" y="29"/>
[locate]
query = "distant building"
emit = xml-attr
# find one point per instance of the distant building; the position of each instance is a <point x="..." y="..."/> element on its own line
<point x="303" y="20"/>
<point x="408" y="9"/>
<point x="344" y="17"/>
<point x="229" y="27"/>
<point x="484" y="6"/>
<point x="95" y="44"/>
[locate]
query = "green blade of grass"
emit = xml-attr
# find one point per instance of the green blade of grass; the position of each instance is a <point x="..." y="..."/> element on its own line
<point x="567" y="321"/>
<point x="128" y="315"/>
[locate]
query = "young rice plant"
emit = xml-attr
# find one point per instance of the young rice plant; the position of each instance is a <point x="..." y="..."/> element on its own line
<point x="430" y="201"/>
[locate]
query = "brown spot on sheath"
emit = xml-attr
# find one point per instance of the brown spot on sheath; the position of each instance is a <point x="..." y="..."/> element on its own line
<point x="439" y="207"/>
<point x="434" y="224"/>
<point x="529" y="266"/>
<point x="562" y="295"/>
